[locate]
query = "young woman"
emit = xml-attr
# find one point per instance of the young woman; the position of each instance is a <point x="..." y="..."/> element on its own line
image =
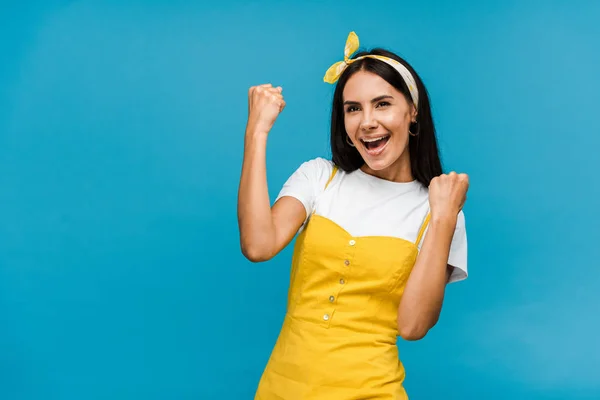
<point x="381" y="233"/>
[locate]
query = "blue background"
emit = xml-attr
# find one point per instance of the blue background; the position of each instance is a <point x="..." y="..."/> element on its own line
<point x="121" y="138"/>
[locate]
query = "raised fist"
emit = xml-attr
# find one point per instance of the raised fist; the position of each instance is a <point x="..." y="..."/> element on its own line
<point x="264" y="105"/>
<point x="447" y="194"/>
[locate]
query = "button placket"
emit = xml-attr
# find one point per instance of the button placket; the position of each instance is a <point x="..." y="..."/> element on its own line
<point x="347" y="261"/>
<point x="332" y="299"/>
<point x="326" y="316"/>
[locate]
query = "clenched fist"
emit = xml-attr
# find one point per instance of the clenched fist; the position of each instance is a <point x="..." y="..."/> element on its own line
<point x="447" y="194"/>
<point x="264" y="105"/>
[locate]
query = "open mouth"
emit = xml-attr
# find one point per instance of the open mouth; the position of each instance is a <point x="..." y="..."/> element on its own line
<point x="376" y="145"/>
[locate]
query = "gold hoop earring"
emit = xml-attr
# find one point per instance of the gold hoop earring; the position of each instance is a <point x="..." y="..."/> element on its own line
<point x="349" y="141"/>
<point x="418" y="128"/>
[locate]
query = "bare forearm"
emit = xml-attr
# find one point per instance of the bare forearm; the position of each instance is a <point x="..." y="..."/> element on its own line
<point x="254" y="208"/>
<point x="421" y="302"/>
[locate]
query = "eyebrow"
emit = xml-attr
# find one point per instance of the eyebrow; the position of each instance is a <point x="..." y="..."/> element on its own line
<point x="375" y="100"/>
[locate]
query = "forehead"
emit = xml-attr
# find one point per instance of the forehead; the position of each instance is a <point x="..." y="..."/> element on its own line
<point x="365" y="85"/>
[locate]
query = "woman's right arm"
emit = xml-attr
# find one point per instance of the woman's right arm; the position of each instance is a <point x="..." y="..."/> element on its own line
<point x="264" y="231"/>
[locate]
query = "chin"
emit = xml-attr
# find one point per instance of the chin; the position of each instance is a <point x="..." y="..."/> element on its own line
<point x="377" y="165"/>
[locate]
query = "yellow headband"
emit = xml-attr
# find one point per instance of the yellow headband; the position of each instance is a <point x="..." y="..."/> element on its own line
<point x="335" y="71"/>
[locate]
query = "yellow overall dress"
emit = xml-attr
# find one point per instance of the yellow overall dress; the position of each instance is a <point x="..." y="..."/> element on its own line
<point x="338" y="339"/>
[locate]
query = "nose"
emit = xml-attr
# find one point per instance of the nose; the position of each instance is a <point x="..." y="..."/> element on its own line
<point x="367" y="122"/>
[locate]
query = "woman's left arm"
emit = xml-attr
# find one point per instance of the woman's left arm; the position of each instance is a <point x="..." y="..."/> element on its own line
<point x="421" y="303"/>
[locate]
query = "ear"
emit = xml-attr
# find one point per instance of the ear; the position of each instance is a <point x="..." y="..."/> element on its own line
<point x="413" y="113"/>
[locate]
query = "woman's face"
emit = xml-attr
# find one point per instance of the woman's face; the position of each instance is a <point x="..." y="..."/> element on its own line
<point x="377" y="118"/>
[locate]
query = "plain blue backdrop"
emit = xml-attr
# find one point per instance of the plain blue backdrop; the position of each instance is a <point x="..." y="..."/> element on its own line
<point x="121" y="138"/>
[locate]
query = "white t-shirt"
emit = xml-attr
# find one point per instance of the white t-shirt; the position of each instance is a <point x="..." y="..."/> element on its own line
<point x="365" y="205"/>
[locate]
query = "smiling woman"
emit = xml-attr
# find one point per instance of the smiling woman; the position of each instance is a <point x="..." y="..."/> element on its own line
<point x="376" y="123"/>
<point x="381" y="232"/>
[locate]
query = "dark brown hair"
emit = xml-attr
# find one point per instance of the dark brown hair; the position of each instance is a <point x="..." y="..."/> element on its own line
<point x="423" y="148"/>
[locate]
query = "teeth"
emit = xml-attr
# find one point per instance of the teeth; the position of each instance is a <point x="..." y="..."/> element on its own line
<point x="374" y="139"/>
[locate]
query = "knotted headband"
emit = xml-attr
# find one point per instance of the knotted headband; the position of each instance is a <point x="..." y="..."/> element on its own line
<point x="335" y="71"/>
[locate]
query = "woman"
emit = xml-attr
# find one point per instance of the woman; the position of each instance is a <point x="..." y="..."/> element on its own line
<point x="381" y="233"/>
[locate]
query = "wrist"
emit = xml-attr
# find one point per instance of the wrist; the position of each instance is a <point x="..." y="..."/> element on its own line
<point x="256" y="137"/>
<point x="256" y="128"/>
<point x="447" y="220"/>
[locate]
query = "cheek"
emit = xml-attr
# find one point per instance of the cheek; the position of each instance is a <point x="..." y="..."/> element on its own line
<point x="395" y="122"/>
<point x="351" y="124"/>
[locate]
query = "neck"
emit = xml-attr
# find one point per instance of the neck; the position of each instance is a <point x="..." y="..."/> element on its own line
<point x="399" y="171"/>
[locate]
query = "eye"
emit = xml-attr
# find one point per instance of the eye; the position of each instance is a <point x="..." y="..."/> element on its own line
<point x="383" y="104"/>
<point x="350" y="109"/>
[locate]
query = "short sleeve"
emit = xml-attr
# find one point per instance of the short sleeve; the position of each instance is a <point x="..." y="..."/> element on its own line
<point x="458" y="251"/>
<point x="308" y="182"/>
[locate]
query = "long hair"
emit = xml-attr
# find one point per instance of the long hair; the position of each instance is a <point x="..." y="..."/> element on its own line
<point x="424" y="154"/>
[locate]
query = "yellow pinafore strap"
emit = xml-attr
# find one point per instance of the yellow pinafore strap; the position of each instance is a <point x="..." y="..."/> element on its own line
<point x="335" y="168"/>
<point x="422" y="230"/>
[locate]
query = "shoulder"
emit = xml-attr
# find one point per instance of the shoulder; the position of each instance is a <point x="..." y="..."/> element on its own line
<point x="317" y="170"/>
<point x="308" y="181"/>
<point x="309" y="176"/>
<point x="318" y="165"/>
